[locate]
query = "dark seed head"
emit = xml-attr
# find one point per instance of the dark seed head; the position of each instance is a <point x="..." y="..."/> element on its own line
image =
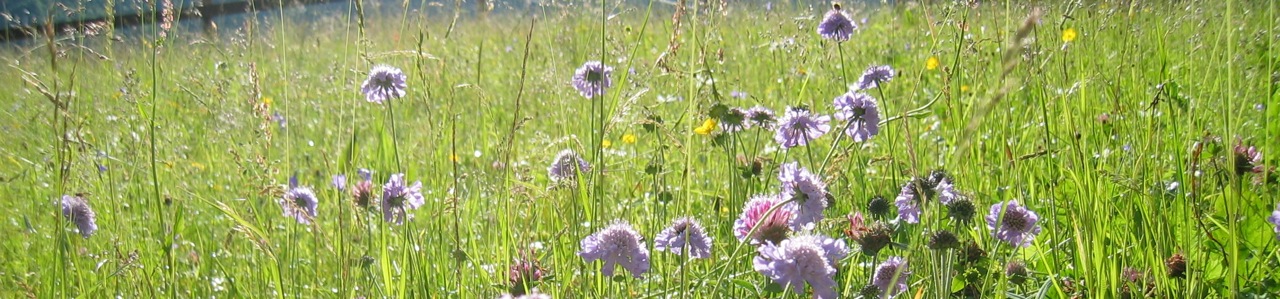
<point x="876" y="239"/>
<point x="870" y="291"/>
<point x="961" y="209"/>
<point x="1016" y="272"/>
<point x="1177" y="266"/>
<point x="974" y="254"/>
<point x="943" y="240"/>
<point x="879" y="207"/>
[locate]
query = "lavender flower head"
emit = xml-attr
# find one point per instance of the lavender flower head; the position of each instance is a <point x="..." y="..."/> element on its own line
<point x="754" y="224"/>
<point x="617" y="245"/>
<point x="567" y="165"/>
<point x="1274" y="219"/>
<point x="799" y="126"/>
<point x="592" y="79"/>
<point x="384" y="83"/>
<point x="340" y="182"/>
<point x="398" y="197"/>
<point x="861" y="112"/>
<point x="684" y="232"/>
<point x="836" y="25"/>
<point x="873" y="77"/>
<point x="1017" y="226"/>
<point x="77" y="210"/>
<point x="891" y="276"/>
<point x="1248" y="159"/>
<point x="299" y="203"/>
<point x="809" y="191"/>
<point x="908" y="204"/>
<point x="761" y="117"/>
<point x="802" y="259"/>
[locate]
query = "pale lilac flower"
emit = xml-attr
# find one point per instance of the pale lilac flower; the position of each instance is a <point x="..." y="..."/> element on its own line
<point x="754" y="225"/>
<point x="592" y="79"/>
<point x="799" y="126"/>
<point x="809" y="192"/>
<point x="738" y="94"/>
<point x="398" y="198"/>
<point x="802" y="259"/>
<point x="761" y="117"/>
<point x="861" y="113"/>
<point x="1017" y="226"/>
<point x="1275" y="221"/>
<point x="617" y="245"/>
<point x="892" y="276"/>
<point x="908" y="204"/>
<point x="566" y="166"/>
<point x="340" y="182"/>
<point x="836" y="25"/>
<point x="76" y="209"/>
<point x="299" y="203"/>
<point x="384" y="83"/>
<point x="684" y="233"/>
<point x="874" y="76"/>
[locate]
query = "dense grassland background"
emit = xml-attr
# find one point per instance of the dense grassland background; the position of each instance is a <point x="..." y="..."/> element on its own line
<point x="1121" y="139"/>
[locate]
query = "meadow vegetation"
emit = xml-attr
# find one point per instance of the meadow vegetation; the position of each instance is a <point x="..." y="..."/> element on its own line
<point x="1083" y="149"/>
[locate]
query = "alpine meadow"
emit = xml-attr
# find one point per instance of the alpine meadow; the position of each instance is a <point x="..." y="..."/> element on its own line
<point x="639" y="149"/>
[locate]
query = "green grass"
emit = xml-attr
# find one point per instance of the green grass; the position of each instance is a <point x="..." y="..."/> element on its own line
<point x="195" y="163"/>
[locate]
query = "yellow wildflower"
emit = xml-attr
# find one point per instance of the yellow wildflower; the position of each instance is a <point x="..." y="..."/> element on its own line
<point x="628" y="138"/>
<point x="964" y="88"/>
<point x="1069" y="35"/>
<point x="932" y="63"/>
<point x="266" y="101"/>
<point x="453" y="157"/>
<point x="606" y="143"/>
<point x="706" y="128"/>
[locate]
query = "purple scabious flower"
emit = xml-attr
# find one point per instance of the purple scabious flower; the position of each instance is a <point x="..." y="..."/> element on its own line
<point x="802" y="259"/>
<point x="617" y="245"/>
<point x="384" y="83"/>
<point x="908" y="204"/>
<point x="1248" y="159"/>
<point x="861" y="113"/>
<point x="1275" y="220"/>
<point x="946" y="191"/>
<point x="1017" y="225"/>
<point x="873" y="77"/>
<point x="738" y="94"/>
<point x="836" y="25"/>
<point x="735" y="120"/>
<point x="892" y="276"/>
<point x="754" y="225"/>
<point x="808" y="190"/>
<point x="398" y="197"/>
<point x="340" y="182"/>
<point x="362" y="192"/>
<point x="592" y="79"/>
<point x="684" y="233"/>
<point x="799" y="126"/>
<point x="566" y="166"/>
<point x="299" y="203"/>
<point x="761" y="117"/>
<point x="77" y="210"/>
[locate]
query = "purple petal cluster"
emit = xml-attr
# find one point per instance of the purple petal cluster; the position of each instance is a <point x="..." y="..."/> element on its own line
<point x="617" y="245"/>
<point x="398" y="197"/>
<point x="384" y="83"/>
<point x="874" y="76"/>
<point x="761" y="117"/>
<point x="836" y="26"/>
<point x="892" y="276"/>
<point x="77" y="210"/>
<point x="1013" y="223"/>
<point x="300" y="204"/>
<point x="799" y="126"/>
<point x="809" y="192"/>
<point x="592" y="79"/>
<point x="908" y="204"/>
<point x="861" y="113"/>
<point x="684" y="233"/>
<point x="1275" y="221"/>
<point x="802" y="259"/>
<point x="758" y="225"/>
<point x="566" y="166"/>
<point x="340" y="182"/>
